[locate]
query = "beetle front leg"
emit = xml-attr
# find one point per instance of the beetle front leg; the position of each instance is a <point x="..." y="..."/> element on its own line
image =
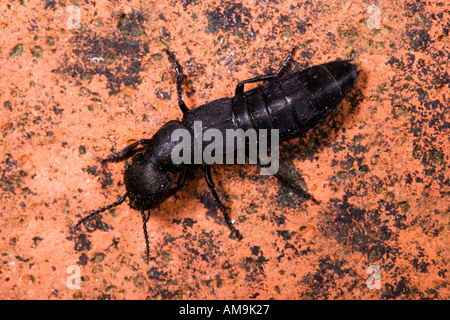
<point x="126" y="152"/>
<point x="180" y="182"/>
<point x="279" y="73"/>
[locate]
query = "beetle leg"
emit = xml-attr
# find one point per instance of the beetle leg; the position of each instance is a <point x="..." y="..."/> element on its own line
<point x="234" y="232"/>
<point x="180" y="182"/>
<point x="291" y="184"/>
<point x="279" y="73"/>
<point x="181" y="103"/>
<point x="182" y="178"/>
<point x="126" y="152"/>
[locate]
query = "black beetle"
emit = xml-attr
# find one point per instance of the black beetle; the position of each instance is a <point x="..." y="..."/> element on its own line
<point x="292" y="104"/>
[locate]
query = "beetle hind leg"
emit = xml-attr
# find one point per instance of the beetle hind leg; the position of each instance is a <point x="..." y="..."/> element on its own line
<point x="279" y="73"/>
<point x="291" y="184"/>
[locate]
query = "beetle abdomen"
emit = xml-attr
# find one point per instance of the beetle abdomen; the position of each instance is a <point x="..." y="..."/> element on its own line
<point x="297" y="102"/>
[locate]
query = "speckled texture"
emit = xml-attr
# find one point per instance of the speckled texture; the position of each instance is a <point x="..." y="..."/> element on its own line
<point x="69" y="97"/>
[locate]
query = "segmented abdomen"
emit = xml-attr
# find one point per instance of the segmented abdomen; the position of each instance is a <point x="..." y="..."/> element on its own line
<point x="292" y="104"/>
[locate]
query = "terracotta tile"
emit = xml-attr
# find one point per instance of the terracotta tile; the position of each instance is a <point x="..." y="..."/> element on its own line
<point x="70" y="96"/>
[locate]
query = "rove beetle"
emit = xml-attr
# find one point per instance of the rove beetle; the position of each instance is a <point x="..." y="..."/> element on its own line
<point x="292" y="104"/>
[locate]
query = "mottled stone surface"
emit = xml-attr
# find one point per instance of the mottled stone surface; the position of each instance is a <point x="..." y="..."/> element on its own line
<point x="77" y="83"/>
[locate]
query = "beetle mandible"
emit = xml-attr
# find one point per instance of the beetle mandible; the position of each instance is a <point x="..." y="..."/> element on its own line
<point x="292" y="104"/>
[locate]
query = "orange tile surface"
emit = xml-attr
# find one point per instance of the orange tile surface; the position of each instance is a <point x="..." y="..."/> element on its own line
<point x="79" y="81"/>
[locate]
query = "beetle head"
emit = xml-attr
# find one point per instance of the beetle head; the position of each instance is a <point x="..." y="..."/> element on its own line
<point x="147" y="185"/>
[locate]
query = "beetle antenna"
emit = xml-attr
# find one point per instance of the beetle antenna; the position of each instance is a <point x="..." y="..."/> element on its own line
<point x="144" y="225"/>
<point x="94" y="213"/>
